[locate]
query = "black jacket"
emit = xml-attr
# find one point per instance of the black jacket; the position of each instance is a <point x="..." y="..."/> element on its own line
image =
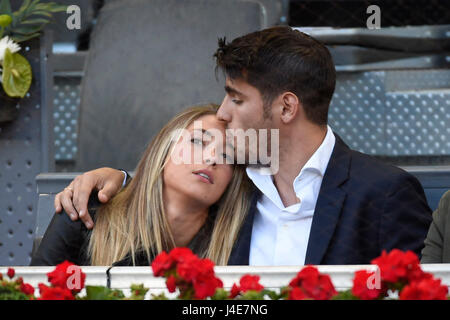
<point x="65" y="239"/>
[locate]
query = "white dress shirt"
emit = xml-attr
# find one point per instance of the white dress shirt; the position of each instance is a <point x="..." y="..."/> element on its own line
<point x="280" y="234"/>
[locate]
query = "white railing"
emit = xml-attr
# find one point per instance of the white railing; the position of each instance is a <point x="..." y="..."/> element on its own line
<point x="271" y="277"/>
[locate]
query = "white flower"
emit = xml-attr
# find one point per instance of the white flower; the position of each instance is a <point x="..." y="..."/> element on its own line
<point x="7" y="43"/>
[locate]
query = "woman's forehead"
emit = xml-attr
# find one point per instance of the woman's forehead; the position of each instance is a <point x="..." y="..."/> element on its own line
<point x="207" y="122"/>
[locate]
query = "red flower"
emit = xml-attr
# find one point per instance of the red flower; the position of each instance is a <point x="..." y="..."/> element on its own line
<point x="365" y="289"/>
<point x="54" y="293"/>
<point x="190" y="266"/>
<point x="182" y="254"/>
<point x="191" y="272"/>
<point x="27" y="289"/>
<point x="235" y="291"/>
<point x="246" y="283"/>
<point x="171" y="283"/>
<point x="11" y="273"/>
<point x="205" y="285"/>
<point x="67" y="276"/>
<point x="424" y="289"/>
<point x="314" y="285"/>
<point x="398" y="266"/>
<point x="297" y="294"/>
<point x="249" y="282"/>
<point x="162" y="263"/>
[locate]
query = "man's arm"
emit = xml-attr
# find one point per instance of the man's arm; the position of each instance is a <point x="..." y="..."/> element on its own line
<point x="74" y="198"/>
<point x="406" y="217"/>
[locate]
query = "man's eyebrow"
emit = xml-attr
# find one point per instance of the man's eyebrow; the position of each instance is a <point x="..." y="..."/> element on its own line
<point x="231" y="90"/>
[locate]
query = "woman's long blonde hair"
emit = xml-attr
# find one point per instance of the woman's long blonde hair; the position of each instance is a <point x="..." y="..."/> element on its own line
<point x="135" y="218"/>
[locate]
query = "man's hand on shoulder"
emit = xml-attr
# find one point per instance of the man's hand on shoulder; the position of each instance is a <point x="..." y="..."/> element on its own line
<point x="74" y="198"/>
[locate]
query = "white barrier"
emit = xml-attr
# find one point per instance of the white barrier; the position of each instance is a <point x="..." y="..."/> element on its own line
<point x="272" y="277"/>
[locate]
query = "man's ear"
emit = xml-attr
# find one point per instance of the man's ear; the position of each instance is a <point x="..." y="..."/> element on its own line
<point x="290" y="106"/>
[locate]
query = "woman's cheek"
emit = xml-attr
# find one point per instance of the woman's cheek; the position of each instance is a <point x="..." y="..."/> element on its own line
<point x="226" y="177"/>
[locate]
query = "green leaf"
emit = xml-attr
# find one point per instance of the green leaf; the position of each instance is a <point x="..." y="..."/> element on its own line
<point x="41" y="13"/>
<point x="345" y="295"/>
<point x="138" y="292"/>
<point x="26" y="30"/>
<point x="51" y="7"/>
<point x="252" y="295"/>
<point x="272" y="294"/>
<point x="102" y="293"/>
<point x="36" y="21"/>
<point x="31" y="18"/>
<point x="25" y="5"/>
<point x="220" y="294"/>
<point x="5" y="7"/>
<point x="19" y="38"/>
<point x="160" y="296"/>
<point x="17" y="75"/>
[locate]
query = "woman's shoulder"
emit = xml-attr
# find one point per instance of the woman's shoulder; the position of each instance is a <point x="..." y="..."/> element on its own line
<point x="64" y="238"/>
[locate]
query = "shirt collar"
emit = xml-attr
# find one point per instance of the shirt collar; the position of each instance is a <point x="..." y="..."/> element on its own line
<point x="319" y="160"/>
<point x="318" y="163"/>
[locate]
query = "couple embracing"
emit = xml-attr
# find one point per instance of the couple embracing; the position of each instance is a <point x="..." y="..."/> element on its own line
<point x="324" y="203"/>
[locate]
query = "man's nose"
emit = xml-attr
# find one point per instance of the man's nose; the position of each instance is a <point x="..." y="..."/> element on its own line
<point x="222" y="113"/>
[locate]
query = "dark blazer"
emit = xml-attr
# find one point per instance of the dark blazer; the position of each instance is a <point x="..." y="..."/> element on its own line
<point x="437" y="243"/>
<point x="364" y="206"/>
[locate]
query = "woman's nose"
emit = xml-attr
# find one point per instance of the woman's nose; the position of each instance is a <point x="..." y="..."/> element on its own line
<point x="210" y="158"/>
<point x="211" y="162"/>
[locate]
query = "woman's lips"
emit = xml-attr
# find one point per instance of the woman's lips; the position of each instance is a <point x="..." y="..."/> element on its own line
<point x="204" y="175"/>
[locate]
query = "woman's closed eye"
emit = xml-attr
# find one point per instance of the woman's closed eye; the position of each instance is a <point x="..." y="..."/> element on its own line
<point x="227" y="157"/>
<point x="197" y="141"/>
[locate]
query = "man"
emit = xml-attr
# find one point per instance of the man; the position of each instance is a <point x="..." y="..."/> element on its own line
<point x="327" y="204"/>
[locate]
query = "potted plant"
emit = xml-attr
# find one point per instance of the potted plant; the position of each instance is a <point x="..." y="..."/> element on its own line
<point x="16" y="28"/>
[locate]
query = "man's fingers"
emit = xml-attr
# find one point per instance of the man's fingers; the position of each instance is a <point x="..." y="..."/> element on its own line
<point x="112" y="186"/>
<point x="86" y="218"/>
<point x="76" y="189"/>
<point x="65" y="198"/>
<point x="83" y="187"/>
<point x="108" y="191"/>
<point x="57" y="204"/>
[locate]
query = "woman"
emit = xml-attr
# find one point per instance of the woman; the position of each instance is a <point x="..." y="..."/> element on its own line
<point x="437" y="243"/>
<point x="169" y="203"/>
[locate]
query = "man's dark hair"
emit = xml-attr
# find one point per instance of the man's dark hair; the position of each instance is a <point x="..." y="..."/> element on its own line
<point x="280" y="59"/>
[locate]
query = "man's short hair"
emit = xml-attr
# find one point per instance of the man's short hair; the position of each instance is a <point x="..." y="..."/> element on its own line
<point x="281" y="59"/>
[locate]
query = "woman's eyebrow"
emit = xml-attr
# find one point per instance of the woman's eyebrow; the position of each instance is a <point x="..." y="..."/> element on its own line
<point x="210" y="135"/>
<point x="203" y="131"/>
